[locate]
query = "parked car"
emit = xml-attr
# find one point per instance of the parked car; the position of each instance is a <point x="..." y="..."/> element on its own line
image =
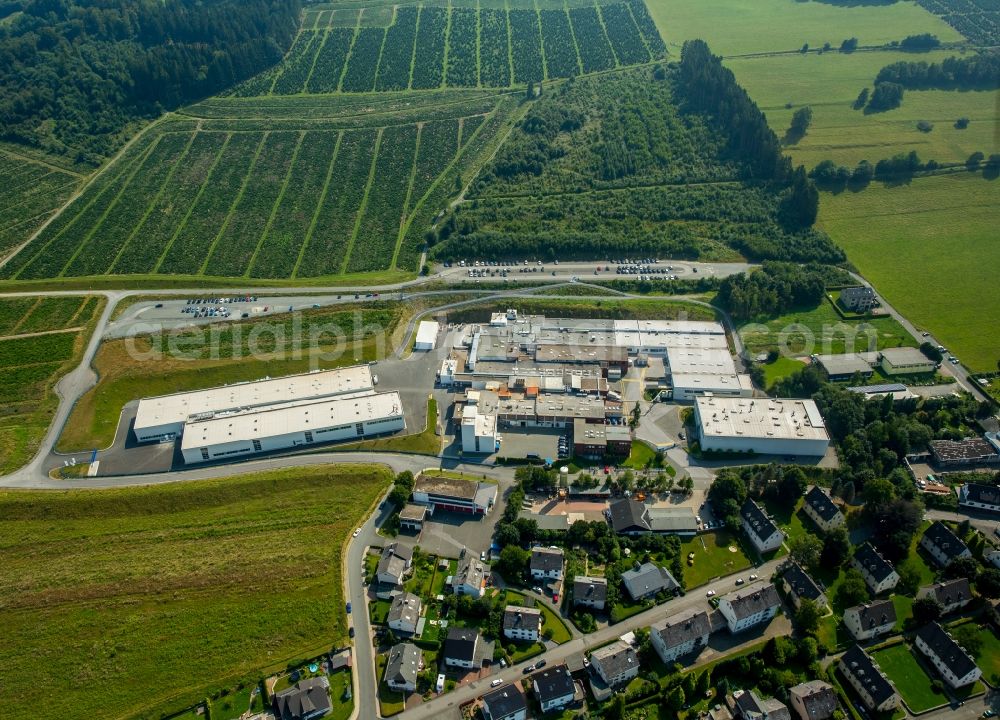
<point x="740" y="581"/>
<point x="710" y="593"/>
<point x="495" y="683"/>
<point x="540" y="664"/>
<point x="348" y="608"/>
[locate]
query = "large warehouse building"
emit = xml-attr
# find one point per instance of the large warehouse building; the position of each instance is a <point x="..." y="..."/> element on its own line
<point x="271" y="414"/>
<point x="763" y="425"/>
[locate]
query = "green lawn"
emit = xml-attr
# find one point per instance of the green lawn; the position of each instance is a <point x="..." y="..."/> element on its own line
<point x="820" y="330"/>
<point x="640" y="455"/>
<point x="233" y="705"/>
<point x="425" y="442"/>
<point x="917" y="243"/>
<point x="521" y="651"/>
<point x="781" y="368"/>
<point x="342" y="707"/>
<point x="913" y="684"/>
<point x="712" y="557"/>
<point x="989" y="658"/>
<point x="390" y="701"/>
<point x="379" y="611"/>
<point x="736" y="26"/>
<point x="195" y="584"/>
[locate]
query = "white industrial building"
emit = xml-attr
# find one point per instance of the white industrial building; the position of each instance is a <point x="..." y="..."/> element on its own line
<point x="271" y="414"/>
<point x="427" y="332"/>
<point x="761" y="425"/>
<point x="479" y="432"/>
<point x="164" y="417"/>
<point x="278" y="427"/>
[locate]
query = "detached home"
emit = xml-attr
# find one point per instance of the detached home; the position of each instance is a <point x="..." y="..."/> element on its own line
<point x="505" y="703"/>
<point x="470" y="579"/>
<point x="747" y="705"/>
<point x="821" y="510"/>
<point x="305" y="700"/>
<point x="763" y="533"/>
<point x="814" y="700"/>
<point x="395" y="562"/>
<point x="404" y="613"/>
<point x="955" y="665"/>
<point x="403" y="667"/>
<point x="591" y="592"/>
<point x="460" y="648"/>
<point x="749" y="606"/>
<point x="951" y="595"/>
<point x="616" y="664"/>
<point x="866" y="677"/>
<point x="648" y="580"/>
<point x="879" y="574"/>
<point x="800" y="586"/>
<point x="553" y="687"/>
<point x="868" y="621"/>
<point x="522" y="623"/>
<point x="680" y="634"/>
<point x="979" y="496"/>
<point x="546" y="563"/>
<point x="943" y="545"/>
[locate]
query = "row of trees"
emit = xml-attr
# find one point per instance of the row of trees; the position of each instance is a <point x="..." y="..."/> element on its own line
<point x="976" y="72"/>
<point x="78" y="73"/>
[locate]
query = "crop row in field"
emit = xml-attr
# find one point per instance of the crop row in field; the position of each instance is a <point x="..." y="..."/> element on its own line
<point x="237" y="200"/>
<point x="426" y="46"/>
<point x="29" y="194"/>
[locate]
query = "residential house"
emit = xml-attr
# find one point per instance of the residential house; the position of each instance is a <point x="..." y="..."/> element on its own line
<point x="763" y="533"/>
<point x="404" y="613"/>
<point x="951" y="595"/>
<point x="980" y="497"/>
<point x="460" y="648"/>
<point x="747" y="705"/>
<point x="505" y="703"/>
<point x="616" y="664"/>
<point x="868" y="621"/>
<point x="591" y="592"/>
<point x="993" y="557"/>
<point x="680" y="634"/>
<point x="821" y="510"/>
<point x="554" y="688"/>
<point x="522" y="623"/>
<point x="800" y="586"/>
<point x="857" y="299"/>
<point x="950" y="659"/>
<point x="942" y="544"/>
<point x="402" y="668"/>
<point x="546" y="563"/>
<point x="629" y="517"/>
<point x="470" y="578"/>
<point x="396" y="560"/>
<point x="647" y="580"/>
<point x="305" y="700"/>
<point x="814" y="700"/>
<point x="866" y="677"/>
<point x="751" y="605"/>
<point x="879" y="574"/>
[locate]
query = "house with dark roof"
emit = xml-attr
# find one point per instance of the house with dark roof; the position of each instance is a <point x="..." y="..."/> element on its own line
<point x="553" y="687"/>
<point x="629" y="517"/>
<point x="747" y="705"/>
<point x="942" y="544"/>
<point x="814" y="700"/>
<point x="591" y="592"/>
<point x="951" y="595"/>
<point x="404" y="613"/>
<point x="866" y="677"/>
<point x="522" y="623"/>
<point x="868" y="621"/>
<point x="460" y="648"/>
<point x="616" y="664"/>
<point x="800" y="586"/>
<point x="750" y="605"/>
<point x="993" y="558"/>
<point x="402" y="667"/>
<point x="395" y="562"/>
<point x="859" y="299"/>
<point x="879" y="574"/>
<point x="680" y="634"/>
<point x="546" y="563"/>
<point x="505" y="703"/>
<point x="761" y="530"/>
<point x="950" y="659"/>
<point x="980" y="497"/>
<point x="821" y="509"/>
<point x="647" y="580"/>
<point x="470" y="578"/>
<point x="305" y="700"/>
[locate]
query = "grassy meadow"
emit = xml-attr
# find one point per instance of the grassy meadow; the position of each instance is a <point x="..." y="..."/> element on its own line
<point x="132" y="602"/>
<point x="928" y="247"/>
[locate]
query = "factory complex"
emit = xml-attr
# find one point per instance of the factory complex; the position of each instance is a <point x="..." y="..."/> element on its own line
<point x="271" y="414"/>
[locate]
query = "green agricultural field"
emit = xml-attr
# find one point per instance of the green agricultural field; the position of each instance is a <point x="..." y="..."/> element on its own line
<point x="830" y="82"/>
<point x="820" y="330"/>
<point x="31" y="191"/>
<point x="909" y="677"/>
<point x="32" y="365"/>
<point x="734" y="27"/>
<point x="245" y="195"/>
<point x="919" y="244"/>
<point x="458" y="44"/>
<point x="193" y="584"/>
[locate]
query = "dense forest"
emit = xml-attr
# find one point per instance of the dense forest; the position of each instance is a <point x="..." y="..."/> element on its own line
<point x="79" y="73"/>
<point x="774" y="289"/>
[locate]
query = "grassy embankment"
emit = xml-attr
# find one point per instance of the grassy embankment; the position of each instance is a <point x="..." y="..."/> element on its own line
<point x="131" y="602"/>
